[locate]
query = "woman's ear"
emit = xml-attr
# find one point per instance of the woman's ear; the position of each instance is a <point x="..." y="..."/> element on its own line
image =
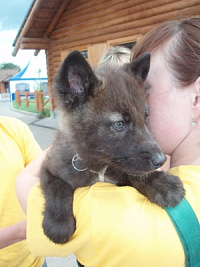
<point x="196" y="98"/>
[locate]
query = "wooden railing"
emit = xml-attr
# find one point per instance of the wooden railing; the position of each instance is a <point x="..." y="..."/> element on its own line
<point x="36" y="97"/>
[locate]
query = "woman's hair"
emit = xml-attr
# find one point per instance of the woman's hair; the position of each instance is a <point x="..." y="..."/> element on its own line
<point x="182" y="40"/>
<point x="116" y="55"/>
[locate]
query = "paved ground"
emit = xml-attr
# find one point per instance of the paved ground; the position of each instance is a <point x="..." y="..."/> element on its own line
<point x="43" y="130"/>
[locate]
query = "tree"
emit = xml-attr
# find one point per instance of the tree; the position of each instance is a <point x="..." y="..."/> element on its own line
<point x="9" y="66"/>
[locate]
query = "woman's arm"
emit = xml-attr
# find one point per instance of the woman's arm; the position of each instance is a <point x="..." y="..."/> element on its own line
<point x="12" y="234"/>
<point x="27" y="178"/>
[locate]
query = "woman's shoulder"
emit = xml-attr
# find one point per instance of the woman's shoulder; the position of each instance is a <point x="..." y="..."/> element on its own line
<point x="106" y="199"/>
<point x="107" y="191"/>
<point x="129" y="219"/>
<point x="190" y="177"/>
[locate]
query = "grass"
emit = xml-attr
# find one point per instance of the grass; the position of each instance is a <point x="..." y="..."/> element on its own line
<point x="31" y="108"/>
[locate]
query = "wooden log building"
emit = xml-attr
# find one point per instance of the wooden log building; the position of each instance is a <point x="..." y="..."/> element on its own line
<point x="5" y="75"/>
<point x="92" y="26"/>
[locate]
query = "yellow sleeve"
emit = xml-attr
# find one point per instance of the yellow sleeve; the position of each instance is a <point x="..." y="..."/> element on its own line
<point x="116" y="226"/>
<point x="19" y="133"/>
<point x="29" y="145"/>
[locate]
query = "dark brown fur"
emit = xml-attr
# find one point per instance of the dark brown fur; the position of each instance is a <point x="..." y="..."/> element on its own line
<point x="103" y="120"/>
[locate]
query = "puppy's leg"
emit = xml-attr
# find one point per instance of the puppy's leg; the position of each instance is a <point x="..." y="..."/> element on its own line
<point x="160" y="188"/>
<point x="58" y="223"/>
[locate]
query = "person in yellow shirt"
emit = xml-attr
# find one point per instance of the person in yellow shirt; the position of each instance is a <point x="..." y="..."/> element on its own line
<point x="117" y="226"/>
<point x="17" y="149"/>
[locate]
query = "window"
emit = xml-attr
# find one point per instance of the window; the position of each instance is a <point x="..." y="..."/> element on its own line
<point x="44" y="86"/>
<point x="6" y="85"/>
<point x="128" y="45"/>
<point x="85" y="53"/>
<point x="82" y="49"/>
<point x="22" y="87"/>
<point x="128" y="42"/>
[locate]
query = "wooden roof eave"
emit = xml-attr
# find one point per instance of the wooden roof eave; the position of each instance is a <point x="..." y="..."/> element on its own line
<point x="56" y="18"/>
<point x="23" y="42"/>
<point x="34" y="43"/>
<point x="26" y="26"/>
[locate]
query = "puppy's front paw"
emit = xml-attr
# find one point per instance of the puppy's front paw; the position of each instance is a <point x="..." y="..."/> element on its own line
<point x="59" y="231"/>
<point x="165" y="190"/>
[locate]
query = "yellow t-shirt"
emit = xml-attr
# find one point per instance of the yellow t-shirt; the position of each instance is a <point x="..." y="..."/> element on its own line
<point x="17" y="149"/>
<point x="117" y="226"/>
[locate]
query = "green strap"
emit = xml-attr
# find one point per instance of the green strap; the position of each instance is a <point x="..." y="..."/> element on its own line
<point x="188" y="229"/>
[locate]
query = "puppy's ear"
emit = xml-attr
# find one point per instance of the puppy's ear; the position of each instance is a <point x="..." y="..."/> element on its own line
<point x="139" y="67"/>
<point x="75" y="81"/>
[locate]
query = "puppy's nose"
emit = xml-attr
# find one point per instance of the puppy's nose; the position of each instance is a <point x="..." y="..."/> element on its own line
<point x="158" y="159"/>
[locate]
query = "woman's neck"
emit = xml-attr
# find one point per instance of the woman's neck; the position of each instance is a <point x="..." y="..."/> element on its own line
<point x="185" y="160"/>
<point x="188" y="152"/>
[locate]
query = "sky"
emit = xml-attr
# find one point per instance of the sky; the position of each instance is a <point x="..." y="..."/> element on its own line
<point x="12" y="15"/>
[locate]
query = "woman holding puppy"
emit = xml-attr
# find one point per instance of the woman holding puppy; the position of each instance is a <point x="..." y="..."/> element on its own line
<point x="117" y="226"/>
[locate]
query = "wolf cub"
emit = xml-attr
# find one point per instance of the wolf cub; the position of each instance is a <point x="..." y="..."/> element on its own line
<point x="102" y="136"/>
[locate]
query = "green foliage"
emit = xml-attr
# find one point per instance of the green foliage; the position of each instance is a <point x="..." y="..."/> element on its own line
<point x="31" y="108"/>
<point x="9" y="66"/>
<point x="39" y="84"/>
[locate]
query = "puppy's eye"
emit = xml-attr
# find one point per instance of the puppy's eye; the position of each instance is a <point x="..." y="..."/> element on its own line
<point x="147" y="86"/>
<point x="146" y="113"/>
<point x="119" y="125"/>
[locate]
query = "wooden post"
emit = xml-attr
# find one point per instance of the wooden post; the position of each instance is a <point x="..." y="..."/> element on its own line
<point x="40" y="100"/>
<point x="17" y="98"/>
<point x="37" y="100"/>
<point x="27" y="100"/>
